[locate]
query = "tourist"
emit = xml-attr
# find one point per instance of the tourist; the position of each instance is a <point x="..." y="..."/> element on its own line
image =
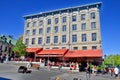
<point x="116" y="71"/>
<point x="29" y="65"/>
<point x="60" y="67"/>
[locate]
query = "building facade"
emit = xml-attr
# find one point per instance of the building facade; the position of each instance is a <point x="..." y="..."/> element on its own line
<point x="74" y="28"/>
<point x="7" y="42"/>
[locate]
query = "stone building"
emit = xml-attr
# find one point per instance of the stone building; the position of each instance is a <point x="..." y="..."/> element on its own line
<point x="72" y="28"/>
<point x="6" y="44"/>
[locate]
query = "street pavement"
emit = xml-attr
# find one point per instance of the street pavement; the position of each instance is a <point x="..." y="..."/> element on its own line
<point x="9" y="72"/>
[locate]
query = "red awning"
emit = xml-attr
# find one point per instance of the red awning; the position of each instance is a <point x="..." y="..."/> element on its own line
<point x="52" y="52"/>
<point x="84" y="53"/>
<point x="33" y="49"/>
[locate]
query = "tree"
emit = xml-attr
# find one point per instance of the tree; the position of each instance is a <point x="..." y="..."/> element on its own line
<point x="112" y="60"/>
<point x="20" y="48"/>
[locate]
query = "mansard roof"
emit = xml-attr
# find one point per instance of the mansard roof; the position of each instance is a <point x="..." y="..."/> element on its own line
<point x="69" y="9"/>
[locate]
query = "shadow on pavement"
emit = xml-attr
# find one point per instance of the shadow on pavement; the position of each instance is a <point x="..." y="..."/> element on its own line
<point x="1" y="78"/>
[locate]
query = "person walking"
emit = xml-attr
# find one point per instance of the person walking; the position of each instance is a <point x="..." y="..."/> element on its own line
<point x="60" y="67"/>
<point x="116" y="71"/>
<point x="29" y="65"/>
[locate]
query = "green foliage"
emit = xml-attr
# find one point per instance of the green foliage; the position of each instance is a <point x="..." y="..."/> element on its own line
<point x="112" y="60"/>
<point x="20" y="48"/>
<point x="102" y="67"/>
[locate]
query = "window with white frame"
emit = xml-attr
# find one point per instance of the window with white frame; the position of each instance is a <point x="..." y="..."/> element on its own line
<point x="48" y="29"/>
<point x="74" y="38"/>
<point x="27" y="41"/>
<point x="28" y="24"/>
<point x="83" y="26"/>
<point x="74" y="18"/>
<point x="41" y="23"/>
<point x="92" y="15"/>
<point x="55" y="39"/>
<point x="94" y="47"/>
<point x="33" y="40"/>
<point x="93" y="25"/>
<point x="84" y="38"/>
<point x="83" y="16"/>
<point x="56" y="28"/>
<point x="94" y="36"/>
<point x="48" y="39"/>
<point x="75" y="48"/>
<point x="27" y="32"/>
<point x="56" y="20"/>
<point x="84" y="48"/>
<point x="41" y="31"/>
<point x="74" y="27"/>
<point x="64" y="19"/>
<point x="63" y="38"/>
<point x="49" y="21"/>
<point x="34" y="31"/>
<point x="40" y="40"/>
<point x="64" y="28"/>
<point x="34" y="24"/>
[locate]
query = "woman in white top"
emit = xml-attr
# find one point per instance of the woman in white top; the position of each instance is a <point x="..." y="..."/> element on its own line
<point x="116" y="71"/>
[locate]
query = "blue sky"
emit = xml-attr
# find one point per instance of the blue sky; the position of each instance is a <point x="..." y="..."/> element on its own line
<point x="12" y="22"/>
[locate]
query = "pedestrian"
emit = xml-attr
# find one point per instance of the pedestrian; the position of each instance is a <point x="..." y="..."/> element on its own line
<point x="29" y="65"/>
<point x="6" y="59"/>
<point x="88" y="71"/>
<point x="60" y="67"/>
<point x="116" y="71"/>
<point x="49" y="65"/>
<point x="71" y="66"/>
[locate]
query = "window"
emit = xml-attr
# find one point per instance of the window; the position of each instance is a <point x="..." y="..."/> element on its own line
<point x="92" y="15"/>
<point x="48" y="29"/>
<point x="64" y="28"/>
<point x="34" y="31"/>
<point x="94" y="47"/>
<point x="55" y="48"/>
<point x="33" y="40"/>
<point x="74" y="38"/>
<point x="82" y="16"/>
<point x="41" y="23"/>
<point x="64" y="19"/>
<point x="83" y="26"/>
<point x="48" y="39"/>
<point x="26" y="41"/>
<point x="84" y="39"/>
<point x="40" y="40"/>
<point x="63" y="47"/>
<point x="56" y="28"/>
<point x="55" y="39"/>
<point x="27" y="32"/>
<point x="93" y="25"/>
<point x="73" y="18"/>
<point x="84" y="48"/>
<point x="28" y="24"/>
<point x="63" y="38"/>
<point x="34" y="24"/>
<point x="74" y="27"/>
<point x="49" y="21"/>
<point x="94" y="36"/>
<point x="56" y="20"/>
<point x="75" y="48"/>
<point x="41" y="31"/>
